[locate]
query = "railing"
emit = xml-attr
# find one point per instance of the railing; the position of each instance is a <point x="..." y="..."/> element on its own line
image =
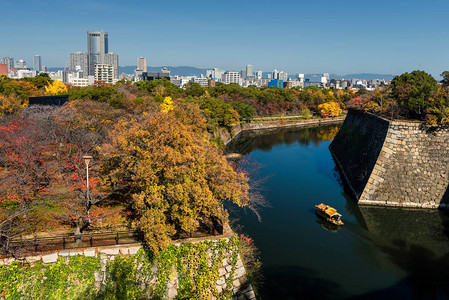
<point x="20" y="246"/>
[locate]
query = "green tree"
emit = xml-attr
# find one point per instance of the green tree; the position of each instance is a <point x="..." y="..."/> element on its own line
<point x="194" y="89"/>
<point x="413" y="91"/>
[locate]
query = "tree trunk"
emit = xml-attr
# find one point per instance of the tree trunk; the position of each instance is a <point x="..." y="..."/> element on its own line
<point x="78" y="225"/>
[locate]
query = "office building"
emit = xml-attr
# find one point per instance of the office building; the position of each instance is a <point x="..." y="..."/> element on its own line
<point x="276" y="83"/>
<point x="149" y="76"/>
<point x="142" y="64"/>
<point x="104" y="73"/>
<point x="111" y="59"/>
<point x="3" y="69"/>
<point x="78" y="62"/>
<point x="215" y="74"/>
<point x="20" y="64"/>
<point x="275" y="74"/>
<point x="9" y="61"/>
<point x="37" y="64"/>
<point x="249" y="71"/>
<point x="243" y="74"/>
<point x="232" y="77"/>
<point x="259" y="74"/>
<point x="283" y="76"/>
<point x="203" y="81"/>
<point x="44" y="69"/>
<point x="97" y="47"/>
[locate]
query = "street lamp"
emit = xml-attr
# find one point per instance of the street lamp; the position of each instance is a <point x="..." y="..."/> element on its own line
<point x="87" y="159"/>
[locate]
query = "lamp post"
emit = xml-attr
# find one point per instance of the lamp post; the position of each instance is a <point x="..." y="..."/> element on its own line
<point x="87" y="159"/>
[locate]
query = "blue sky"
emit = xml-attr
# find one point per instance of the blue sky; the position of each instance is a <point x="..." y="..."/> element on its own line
<point x="341" y="37"/>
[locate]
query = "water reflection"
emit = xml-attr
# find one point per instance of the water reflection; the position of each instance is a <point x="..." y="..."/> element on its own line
<point x="379" y="252"/>
<point x="266" y="139"/>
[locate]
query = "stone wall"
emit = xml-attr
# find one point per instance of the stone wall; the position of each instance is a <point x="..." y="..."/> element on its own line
<point x="393" y="163"/>
<point x="272" y="125"/>
<point x="242" y="290"/>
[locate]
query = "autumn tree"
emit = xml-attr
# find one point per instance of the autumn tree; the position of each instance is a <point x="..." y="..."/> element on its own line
<point x="329" y="109"/>
<point x="23" y="176"/>
<point x="56" y="88"/>
<point x="174" y="178"/>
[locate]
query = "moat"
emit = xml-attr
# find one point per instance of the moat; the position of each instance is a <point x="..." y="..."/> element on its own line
<point x="379" y="252"/>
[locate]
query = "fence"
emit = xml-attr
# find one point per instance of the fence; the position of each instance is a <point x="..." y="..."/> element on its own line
<point x="19" y="246"/>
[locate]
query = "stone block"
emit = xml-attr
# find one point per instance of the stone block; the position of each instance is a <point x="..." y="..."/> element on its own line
<point x="64" y="253"/>
<point x="239" y="272"/>
<point x="124" y="250"/>
<point x="221" y="271"/>
<point x="236" y="283"/>
<point x="228" y="269"/>
<point x="250" y="295"/>
<point x="133" y="249"/>
<point x="89" y="252"/>
<point x="110" y="251"/>
<point x="98" y="276"/>
<point x="221" y="281"/>
<point x="76" y="252"/>
<point x="31" y="259"/>
<point x="172" y="293"/>
<point x="50" y="258"/>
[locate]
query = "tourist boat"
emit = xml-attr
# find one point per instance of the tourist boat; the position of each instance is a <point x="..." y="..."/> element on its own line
<point x="328" y="213"/>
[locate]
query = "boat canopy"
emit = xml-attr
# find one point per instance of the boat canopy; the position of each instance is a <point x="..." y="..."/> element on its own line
<point x="330" y="211"/>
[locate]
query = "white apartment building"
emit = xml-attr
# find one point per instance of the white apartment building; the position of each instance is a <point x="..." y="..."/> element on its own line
<point x="104" y="72"/>
<point x="75" y="80"/>
<point x="233" y="77"/>
<point x="203" y="81"/>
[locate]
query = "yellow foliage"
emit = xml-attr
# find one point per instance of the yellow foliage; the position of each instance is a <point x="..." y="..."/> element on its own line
<point x="55" y="88"/>
<point x="10" y="105"/>
<point x="329" y="109"/>
<point x="167" y="105"/>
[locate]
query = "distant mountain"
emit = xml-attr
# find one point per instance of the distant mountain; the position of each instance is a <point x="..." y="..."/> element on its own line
<point x="192" y="71"/>
<point x="368" y="76"/>
<point x="182" y="70"/>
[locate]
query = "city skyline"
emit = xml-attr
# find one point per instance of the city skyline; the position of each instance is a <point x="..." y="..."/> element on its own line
<point x="298" y="37"/>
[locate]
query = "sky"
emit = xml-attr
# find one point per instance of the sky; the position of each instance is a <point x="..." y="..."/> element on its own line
<point x="340" y="37"/>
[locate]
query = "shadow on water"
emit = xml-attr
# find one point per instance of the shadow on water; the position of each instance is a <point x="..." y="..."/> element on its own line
<point x="293" y="282"/>
<point x="265" y="140"/>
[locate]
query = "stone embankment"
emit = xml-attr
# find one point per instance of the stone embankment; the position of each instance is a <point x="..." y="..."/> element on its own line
<point x="242" y="290"/>
<point x="393" y="163"/>
<point x="271" y="125"/>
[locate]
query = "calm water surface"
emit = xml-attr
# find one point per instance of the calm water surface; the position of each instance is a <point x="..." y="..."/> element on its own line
<point x="378" y="253"/>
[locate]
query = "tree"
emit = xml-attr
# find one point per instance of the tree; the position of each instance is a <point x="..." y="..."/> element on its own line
<point x="194" y="89"/>
<point x="56" y="88"/>
<point x="173" y="176"/>
<point x="413" y="91"/>
<point x="445" y="81"/>
<point x="23" y="176"/>
<point x="329" y="109"/>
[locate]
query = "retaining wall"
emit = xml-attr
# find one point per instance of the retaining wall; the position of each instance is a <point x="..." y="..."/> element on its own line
<point x="242" y="290"/>
<point x="393" y="163"/>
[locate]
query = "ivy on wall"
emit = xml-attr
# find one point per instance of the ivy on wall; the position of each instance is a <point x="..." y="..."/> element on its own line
<point x="141" y="276"/>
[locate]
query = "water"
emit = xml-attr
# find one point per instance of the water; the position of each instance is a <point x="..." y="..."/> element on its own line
<point x="379" y="252"/>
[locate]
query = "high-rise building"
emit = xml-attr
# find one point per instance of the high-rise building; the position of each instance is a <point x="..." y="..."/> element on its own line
<point x="275" y="74"/>
<point x="37" y="64"/>
<point x="232" y="77"/>
<point x="112" y="60"/>
<point x="142" y="64"/>
<point x="259" y="74"/>
<point x="20" y="64"/>
<point x="78" y="62"/>
<point x="215" y="74"/>
<point x="97" y="47"/>
<point x="3" y="69"/>
<point x="9" y="61"/>
<point x="249" y="70"/>
<point x="243" y="74"/>
<point x="282" y="76"/>
<point x="105" y="73"/>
